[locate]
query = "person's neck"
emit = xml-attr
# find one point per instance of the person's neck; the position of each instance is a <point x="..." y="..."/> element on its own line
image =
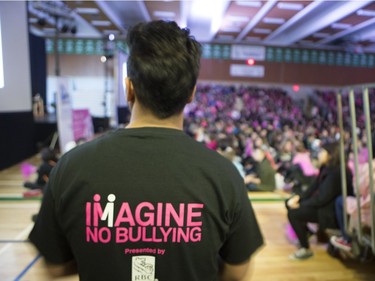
<point x="143" y="118"/>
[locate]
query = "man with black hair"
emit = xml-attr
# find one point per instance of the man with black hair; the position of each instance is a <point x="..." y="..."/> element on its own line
<point x="148" y="202"/>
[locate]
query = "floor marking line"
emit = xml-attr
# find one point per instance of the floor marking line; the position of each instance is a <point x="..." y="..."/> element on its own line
<point x="27" y="268"/>
<point x="24" y="233"/>
<point x="21" y="198"/>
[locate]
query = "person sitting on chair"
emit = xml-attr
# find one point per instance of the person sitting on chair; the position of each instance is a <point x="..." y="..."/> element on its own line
<point x="317" y="203"/>
<point x="344" y="240"/>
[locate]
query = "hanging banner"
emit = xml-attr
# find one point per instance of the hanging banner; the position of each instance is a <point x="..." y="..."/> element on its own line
<point x="82" y="125"/>
<point x="64" y="114"/>
<point x="242" y="52"/>
<point x="242" y="70"/>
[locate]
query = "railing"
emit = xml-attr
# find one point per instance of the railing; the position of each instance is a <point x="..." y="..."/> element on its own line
<point x="362" y="239"/>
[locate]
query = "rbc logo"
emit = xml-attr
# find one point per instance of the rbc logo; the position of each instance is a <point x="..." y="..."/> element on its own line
<point x="143" y="268"/>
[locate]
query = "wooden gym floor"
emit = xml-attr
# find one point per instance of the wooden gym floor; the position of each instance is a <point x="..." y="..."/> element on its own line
<point x="20" y="261"/>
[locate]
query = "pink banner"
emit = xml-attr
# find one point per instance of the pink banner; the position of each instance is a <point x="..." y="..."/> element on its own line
<point x="82" y="124"/>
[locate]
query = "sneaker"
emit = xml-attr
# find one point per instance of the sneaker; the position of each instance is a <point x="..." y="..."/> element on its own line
<point x="302" y="254"/>
<point x="341" y="243"/>
<point x="32" y="193"/>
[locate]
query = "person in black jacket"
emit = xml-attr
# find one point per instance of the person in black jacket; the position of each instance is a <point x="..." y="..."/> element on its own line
<point x="317" y="203"/>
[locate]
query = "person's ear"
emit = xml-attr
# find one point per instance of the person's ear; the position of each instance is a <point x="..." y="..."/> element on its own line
<point x="191" y="98"/>
<point x="130" y="96"/>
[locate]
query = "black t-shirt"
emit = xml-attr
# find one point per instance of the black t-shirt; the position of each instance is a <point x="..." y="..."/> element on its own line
<point x="147" y="203"/>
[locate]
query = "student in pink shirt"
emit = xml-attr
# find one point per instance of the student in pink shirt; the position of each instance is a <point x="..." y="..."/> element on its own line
<point x="303" y="159"/>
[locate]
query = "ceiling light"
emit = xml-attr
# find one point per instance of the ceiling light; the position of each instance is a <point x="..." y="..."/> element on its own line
<point x="110" y="31"/>
<point x="254" y="4"/>
<point x="199" y="9"/>
<point x="101" y="23"/>
<point x="366" y="13"/>
<point x="111" y="37"/>
<point x="230" y="29"/>
<point x="338" y="25"/>
<point x="164" y="14"/>
<point x="274" y="20"/>
<point x="290" y="6"/>
<point x="88" y="11"/>
<point x="207" y="17"/>
<point x="238" y="19"/>
<point x="262" y="30"/>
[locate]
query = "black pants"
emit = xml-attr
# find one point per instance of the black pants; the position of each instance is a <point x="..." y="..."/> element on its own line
<point x="298" y="219"/>
<point x="339" y="206"/>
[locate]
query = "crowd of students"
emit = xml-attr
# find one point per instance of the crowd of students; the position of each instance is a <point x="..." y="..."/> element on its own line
<point x="328" y="106"/>
<point x="265" y="128"/>
<point x="276" y="143"/>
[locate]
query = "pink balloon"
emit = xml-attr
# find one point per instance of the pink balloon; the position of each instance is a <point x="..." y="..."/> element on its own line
<point x="27" y="170"/>
<point x="290" y="233"/>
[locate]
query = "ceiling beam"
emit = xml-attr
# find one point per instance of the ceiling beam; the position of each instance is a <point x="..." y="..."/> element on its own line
<point x="126" y="13"/>
<point x="308" y="9"/>
<point x="144" y="11"/>
<point x="85" y="28"/>
<point x="364" y="31"/>
<point x="254" y="21"/>
<point x="323" y="14"/>
<point x="111" y="15"/>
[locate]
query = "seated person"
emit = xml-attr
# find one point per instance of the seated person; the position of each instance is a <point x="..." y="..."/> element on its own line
<point x="296" y="179"/>
<point x="286" y="151"/>
<point x="301" y="172"/>
<point x="229" y="153"/>
<point x="317" y="203"/>
<point x="264" y="177"/>
<point x="303" y="159"/>
<point x="343" y="241"/>
<point x="49" y="159"/>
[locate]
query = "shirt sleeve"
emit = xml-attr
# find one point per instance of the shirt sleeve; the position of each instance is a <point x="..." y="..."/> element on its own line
<point x="47" y="234"/>
<point x="244" y="236"/>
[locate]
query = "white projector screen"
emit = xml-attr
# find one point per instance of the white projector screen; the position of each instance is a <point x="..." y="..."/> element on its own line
<point x="15" y="95"/>
<point x="1" y="61"/>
